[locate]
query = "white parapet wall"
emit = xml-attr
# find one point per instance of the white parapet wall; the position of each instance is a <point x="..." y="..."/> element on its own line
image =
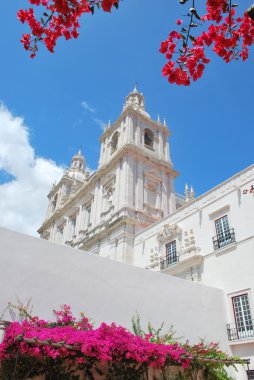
<point x="105" y="290"/>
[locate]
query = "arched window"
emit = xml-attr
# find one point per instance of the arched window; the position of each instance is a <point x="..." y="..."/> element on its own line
<point x="54" y="202"/>
<point x="148" y="139"/>
<point x="114" y="142"/>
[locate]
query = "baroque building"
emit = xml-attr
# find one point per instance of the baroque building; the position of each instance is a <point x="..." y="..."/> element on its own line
<point x="128" y="211"/>
<point x="133" y="187"/>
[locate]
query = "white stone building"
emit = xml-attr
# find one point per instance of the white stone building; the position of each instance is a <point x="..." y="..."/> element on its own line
<point x="131" y="190"/>
<point x="128" y="211"/>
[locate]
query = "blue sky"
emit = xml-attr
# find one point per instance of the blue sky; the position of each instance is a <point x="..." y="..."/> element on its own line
<point x="211" y="121"/>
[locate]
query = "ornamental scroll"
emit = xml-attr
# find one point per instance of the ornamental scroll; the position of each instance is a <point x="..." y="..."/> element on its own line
<point x="169" y="231"/>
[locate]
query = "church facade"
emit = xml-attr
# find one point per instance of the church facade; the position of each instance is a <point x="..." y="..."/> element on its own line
<point x="132" y="189"/>
<point x="128" y="211"/>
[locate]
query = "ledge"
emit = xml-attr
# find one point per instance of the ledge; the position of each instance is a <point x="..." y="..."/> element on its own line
<point x="223" y="250"/>
<point x="183" y="264"/>
<point x="238" y="342"/>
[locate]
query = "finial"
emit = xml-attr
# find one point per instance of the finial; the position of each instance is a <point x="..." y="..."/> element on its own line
<point x="80" y="150"/>
<point x="159" y="119"/>
<point x="135" y="87"/>
<point x="192" y="192"/>
<point x="109" y="123"/>
<point x="164" y="122"/>
<point x="186" y="188"/>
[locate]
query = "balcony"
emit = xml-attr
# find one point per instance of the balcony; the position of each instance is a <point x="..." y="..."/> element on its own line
<point x="223" y="240"/>
<point x="169" y="260"/>
<point x="241" y="331"/>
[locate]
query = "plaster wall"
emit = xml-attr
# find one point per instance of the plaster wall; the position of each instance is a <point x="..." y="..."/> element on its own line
<point x="199" y="217"/>
<point x="106" y="290"/>
<point x="229" y="268"/>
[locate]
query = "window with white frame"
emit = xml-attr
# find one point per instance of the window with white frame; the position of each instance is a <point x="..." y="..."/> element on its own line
<point x="224" y="234"/>
<point x="243" y="317"/>
<point x="222" y="226"/>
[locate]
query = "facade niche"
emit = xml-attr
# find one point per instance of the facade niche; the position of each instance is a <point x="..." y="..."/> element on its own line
<point x="149" y="139"/>
<point x="114" y="142"/>
<point x="54" y="202"/>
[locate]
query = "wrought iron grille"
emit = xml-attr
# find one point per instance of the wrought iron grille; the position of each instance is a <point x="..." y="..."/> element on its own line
<point x="169" y="260"/>
<point x="221" y="240"/>
<point x="240" y="332"/>
<point x="250" y="374"/>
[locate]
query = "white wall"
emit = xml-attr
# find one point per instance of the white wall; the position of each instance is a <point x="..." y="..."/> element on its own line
<point x="230" y="268"/>
<point x="106" y="290"/>
<point x="200" y="215"/>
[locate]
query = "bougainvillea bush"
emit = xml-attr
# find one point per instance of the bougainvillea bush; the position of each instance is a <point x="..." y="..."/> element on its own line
<point x="220" y="28"/>
<point x="74" y="349"/>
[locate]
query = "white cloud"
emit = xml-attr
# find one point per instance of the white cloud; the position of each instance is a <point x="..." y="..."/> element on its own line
<point x="23" y="200"/>
<point x="85" y="105"/>
<point x="99" y="122"/>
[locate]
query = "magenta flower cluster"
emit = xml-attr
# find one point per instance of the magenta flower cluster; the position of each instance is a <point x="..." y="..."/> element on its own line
<point x="107" y="343"/>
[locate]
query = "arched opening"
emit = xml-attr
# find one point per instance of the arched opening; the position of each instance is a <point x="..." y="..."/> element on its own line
<point x="148" y="139"/>
<point x="114" y="142"/>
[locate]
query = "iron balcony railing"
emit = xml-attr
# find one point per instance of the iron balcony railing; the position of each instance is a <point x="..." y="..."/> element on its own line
<point x="241" y="331"/>
<point x="224" y="239"/>
<point x="169" y="260"/>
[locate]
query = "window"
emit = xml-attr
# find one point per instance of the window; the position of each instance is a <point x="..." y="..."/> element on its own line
<point x="171" y="254"/>
<point x="243" y="320"/>
<point x="224" y="234"/>
<point x="222" y="226"/>
<point x="114" y="142"/>
<point x="250" y="374"/>
<point x="88" y="216"/>
<point x="149" y="139"/>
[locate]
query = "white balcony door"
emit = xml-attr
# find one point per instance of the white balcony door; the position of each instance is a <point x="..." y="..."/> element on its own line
<point x="244" y="323"/>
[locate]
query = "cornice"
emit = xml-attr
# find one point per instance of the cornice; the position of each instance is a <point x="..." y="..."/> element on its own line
<point x="142" y="154"/>
<point x="198" y="199"/>
<point x="102" y="171"/>
<point x="122" y="221"/>
<point x="185" y="264"/>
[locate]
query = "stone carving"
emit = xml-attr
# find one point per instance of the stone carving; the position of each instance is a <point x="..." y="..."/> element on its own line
<point x="169" y="231"/>
<point x="189" y="243"/>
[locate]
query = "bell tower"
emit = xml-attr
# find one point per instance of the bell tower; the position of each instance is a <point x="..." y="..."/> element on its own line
<point x="135" y="152"/>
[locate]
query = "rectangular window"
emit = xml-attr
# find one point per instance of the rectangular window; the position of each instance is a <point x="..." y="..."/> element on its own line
<point x="222" y="227"/>
<point x="171" y="254"/>
<point x="224" y="234"/>
<point x="250" y="374"/>
<point x="243" y="318"/>
<point x="88" y="216"/>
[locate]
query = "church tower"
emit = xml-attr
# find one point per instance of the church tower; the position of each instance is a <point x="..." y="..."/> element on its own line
<point x="132" y="188"/>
